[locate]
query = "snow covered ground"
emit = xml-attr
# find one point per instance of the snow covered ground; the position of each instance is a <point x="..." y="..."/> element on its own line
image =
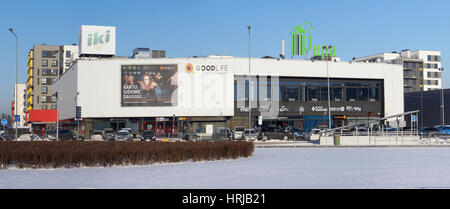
<point x="427" y="167"/>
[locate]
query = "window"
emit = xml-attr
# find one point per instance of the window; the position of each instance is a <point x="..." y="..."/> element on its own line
<point x="44" y="53"/>
<point x="313" y="93"/>
<point x="350" y="94"/>
<point x="53" y="98"/>
<point x="292" y="94"/>
<point x="54" y="71"/>
<point x="323" y="94"/>
<point x="53" y="106"/>
<point x="435" y="66"/>
<point x="436" y="82"/>
<point x="363" y="94"/>
<point x="44" y="80"/>
<point x="44" y="71"/>
<point x="373" y="94"/>
<point x="436" y="58"/>
<point x="68" y="54"/>
<point x="44" y="98"/>
<point x="54" y="63"/>
<point x="44" y="63"/>
<point x="337" y="94"/>
<point x="429" y="57"/>
<point x="283" y="95"/>
<point x="44" y="89"/>
<point x="53" y="53"/>
<point x="44" y="107"/>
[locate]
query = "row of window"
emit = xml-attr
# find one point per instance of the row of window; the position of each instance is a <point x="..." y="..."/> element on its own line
<point x="431" y="82"/>
<point x="412" y="65"/>
<point x="46" y="99"/>
<point x="431" y="66"/>
<point x="53" y="72"/>
<point x="44" y="63"/>
<point x="50" y="54"/>
<point x="434" y="74"/>
<point x="434" y="58"/>
<point x="45" y="107"/>
<point x="46" y="81"/>
<point x="312" y="91"/>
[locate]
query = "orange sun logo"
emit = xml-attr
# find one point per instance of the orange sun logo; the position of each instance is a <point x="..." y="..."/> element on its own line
<point x="189" y="68"/>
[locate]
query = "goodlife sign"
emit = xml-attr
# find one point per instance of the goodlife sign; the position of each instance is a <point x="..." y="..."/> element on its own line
<point x="97" y="40"/>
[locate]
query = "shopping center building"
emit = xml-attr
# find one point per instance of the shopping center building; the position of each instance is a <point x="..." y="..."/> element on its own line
<point x="173" y="96"/>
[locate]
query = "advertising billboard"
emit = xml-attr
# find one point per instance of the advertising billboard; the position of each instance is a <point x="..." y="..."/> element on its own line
<point x="97" y="40"/>
<point x="149" y="85"/>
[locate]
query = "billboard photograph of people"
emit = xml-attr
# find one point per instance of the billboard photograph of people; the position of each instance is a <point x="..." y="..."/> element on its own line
<point x="148" y="85"/>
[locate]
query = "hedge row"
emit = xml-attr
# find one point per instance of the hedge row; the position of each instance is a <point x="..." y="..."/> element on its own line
<point x="68" y="154"/>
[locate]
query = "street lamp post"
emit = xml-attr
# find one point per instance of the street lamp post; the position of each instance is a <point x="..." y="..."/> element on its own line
<point x="249" y="84"/>
<point x="328" y="84"/>
<point x="15" y="85"/>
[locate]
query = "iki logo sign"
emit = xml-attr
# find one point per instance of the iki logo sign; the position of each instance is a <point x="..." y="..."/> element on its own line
<point x="98" y="40"/>
<point x="301" y="42"/>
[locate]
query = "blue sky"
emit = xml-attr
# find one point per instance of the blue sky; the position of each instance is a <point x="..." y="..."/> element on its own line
<point x="189" y="28"/>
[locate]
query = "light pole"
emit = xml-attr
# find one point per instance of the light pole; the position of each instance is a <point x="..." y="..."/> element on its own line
<point x="328" y="81"/>
<point x="15" y="85"/>
<point x="249" y="84"/>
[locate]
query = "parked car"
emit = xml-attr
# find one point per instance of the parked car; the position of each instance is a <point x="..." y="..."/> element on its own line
<point x="250" y="135"/>
<point x="29" y="137"/>
<point x="123" y="135"/>
<point x="238" y="132"/>
<point x="96" y="135"/>
<point x="108" y="134"/>
<point x="445" y="130"/>
<point x="148" y="135"/>
<point x="313" y="134"/>
<point x="222" y="133"/>
<point x="296" y="132"/>
<point x="429" y="132"/>
<point x="63" y="134"/>
<point x="272" y="132"/>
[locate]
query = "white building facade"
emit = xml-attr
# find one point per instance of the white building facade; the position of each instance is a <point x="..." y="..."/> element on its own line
<point x="202" y="95"/>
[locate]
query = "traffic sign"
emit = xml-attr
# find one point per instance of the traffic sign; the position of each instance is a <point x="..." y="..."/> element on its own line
<point x="78" y="113"/>
<point x="17" y="118"/>
<point x="414" y="118"/>
<point x="4" y="122"/>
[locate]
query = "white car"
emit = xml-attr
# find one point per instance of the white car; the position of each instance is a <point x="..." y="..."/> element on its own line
<point x="314" y="134"/>
<point x="123" y="135"/>
<point x="29" y="137"/>
<point x="238" y="132"/>
<point x="250" y="135"/>
<point x="96" y="135"/>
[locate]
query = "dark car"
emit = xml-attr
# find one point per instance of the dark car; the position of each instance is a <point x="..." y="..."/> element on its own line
<point x="274" y="133"/>
<point x="148" y="135"/>
<point x="63" y="134"/>
<point x="429" y="132"/>
<point x="296" y="132"/>
<point x="108" y="134"/>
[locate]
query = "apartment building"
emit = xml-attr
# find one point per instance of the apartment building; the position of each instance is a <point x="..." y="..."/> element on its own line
<point x="45" y="64"/>
<point x="421" y="68"/>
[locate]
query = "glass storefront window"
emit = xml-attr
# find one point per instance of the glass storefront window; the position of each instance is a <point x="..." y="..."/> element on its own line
<point x="350" y="94"/>
<point x="292" y="94"/>
<point x="337" y="94"/>
<point x="323" y="94"/>
<point x="373" y="94"/>
<point x="363" y="94"/>
<point x="283" y="96"/>
<point x="313" y="93"/>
